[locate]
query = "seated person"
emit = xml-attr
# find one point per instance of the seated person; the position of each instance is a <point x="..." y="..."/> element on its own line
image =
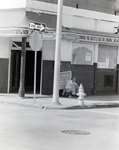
<point x="71" y="87"/>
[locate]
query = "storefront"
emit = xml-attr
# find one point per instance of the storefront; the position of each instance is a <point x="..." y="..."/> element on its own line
<point x="92" y="57"/>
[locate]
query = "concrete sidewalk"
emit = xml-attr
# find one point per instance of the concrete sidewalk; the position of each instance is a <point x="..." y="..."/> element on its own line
<point x="45" y="102"/>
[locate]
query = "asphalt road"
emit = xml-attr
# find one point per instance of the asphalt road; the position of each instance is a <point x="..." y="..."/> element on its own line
<point x="23" y="128"/>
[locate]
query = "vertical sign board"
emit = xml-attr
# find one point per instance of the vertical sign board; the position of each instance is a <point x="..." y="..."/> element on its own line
<point x="64" y="77"/>
<point x="36" y="44"/>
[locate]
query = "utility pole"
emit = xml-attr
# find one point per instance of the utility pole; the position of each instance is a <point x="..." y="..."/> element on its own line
<point x="57" y="53"/>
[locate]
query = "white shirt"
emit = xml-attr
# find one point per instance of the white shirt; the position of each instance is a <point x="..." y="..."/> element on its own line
<point x="70" y="84"/>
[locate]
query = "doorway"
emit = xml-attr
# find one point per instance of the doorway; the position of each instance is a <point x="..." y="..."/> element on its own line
<point x="29" y="71"/>
<point x="15" y="70"/>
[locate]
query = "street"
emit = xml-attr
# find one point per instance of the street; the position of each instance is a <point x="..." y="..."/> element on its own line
<point x="23" y="128"/>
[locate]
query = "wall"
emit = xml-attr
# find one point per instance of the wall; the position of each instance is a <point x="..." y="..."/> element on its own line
<point x="13" y="4"/>
<point x="78" y="18"/>
<point x="49" y="50"/>
<point x="4" y="62"/>
<point x="100" y="81"/>
<point x="83" y="73"/>
<point x="13" y="18"/>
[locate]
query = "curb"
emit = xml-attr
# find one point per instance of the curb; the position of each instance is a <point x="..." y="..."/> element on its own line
<point x="52" y="106"/>
<point x="93" y="106"/>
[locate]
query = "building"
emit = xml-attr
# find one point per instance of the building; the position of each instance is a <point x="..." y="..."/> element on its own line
<point x="89" y="47"/>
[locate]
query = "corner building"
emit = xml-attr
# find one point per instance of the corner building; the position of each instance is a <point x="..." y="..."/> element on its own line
<point x="89" y="48"/>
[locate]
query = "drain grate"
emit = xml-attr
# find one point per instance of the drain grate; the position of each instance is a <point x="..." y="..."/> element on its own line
<point x="75" y="132"/>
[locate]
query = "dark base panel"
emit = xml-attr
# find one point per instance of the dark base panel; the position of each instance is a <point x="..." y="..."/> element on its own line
<point x="47" y="79"/>
<point x="101" y="89"/>
<point x="83" y="73"/>
<point x="93" y="79"/>
<point x="3" y="75"/>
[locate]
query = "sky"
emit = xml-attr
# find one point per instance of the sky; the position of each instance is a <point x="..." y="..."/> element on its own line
<point x="7" y="4"/>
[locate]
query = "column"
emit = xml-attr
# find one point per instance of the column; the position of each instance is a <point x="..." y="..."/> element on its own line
<point x="95" y="60"/>
<point x="22" y="70"/>
<point x="117" y="85"/>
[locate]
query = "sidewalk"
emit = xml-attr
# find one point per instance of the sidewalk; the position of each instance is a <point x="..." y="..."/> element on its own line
<point x="45" y="102"/>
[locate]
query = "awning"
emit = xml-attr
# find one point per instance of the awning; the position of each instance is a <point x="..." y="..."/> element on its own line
<point x="14" y="32"/>
<point x="13" y="23"/>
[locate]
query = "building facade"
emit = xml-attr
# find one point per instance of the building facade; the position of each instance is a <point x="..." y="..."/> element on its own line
<point x="89" y="48"/>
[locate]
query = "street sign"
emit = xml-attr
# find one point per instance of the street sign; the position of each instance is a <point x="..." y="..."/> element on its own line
<point x="37" y="26"/>
<point x="35" y="41"/>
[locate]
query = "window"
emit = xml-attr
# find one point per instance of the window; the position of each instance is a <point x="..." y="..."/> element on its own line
<point x="107" y="57"/>
<point x="82" y="53"/>
<point x="108" y="80"/>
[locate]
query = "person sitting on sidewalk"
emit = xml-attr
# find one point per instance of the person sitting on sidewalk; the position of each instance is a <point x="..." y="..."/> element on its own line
<point x="71" y="87"/>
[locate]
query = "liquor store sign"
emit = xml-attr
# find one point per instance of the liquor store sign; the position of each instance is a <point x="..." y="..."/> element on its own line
<point x="23" y="32"/>
<point x="90" y="38"/>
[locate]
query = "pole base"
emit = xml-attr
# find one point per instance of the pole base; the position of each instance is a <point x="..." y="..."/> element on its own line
<point x="21" y="92"/>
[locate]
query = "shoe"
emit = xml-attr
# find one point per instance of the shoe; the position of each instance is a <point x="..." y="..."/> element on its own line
<point x="70" y="96"/>
<point x="74" y="96"/>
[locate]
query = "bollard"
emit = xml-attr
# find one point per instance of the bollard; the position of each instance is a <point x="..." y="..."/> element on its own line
<point x="81" y="95"/>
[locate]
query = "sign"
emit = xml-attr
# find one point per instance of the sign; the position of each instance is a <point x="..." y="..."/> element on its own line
<point x="88" y="57"/>
<point x="37" y="26"/>
<point x="90" y="38"/>
<point x="35" y="41"/>
<point x="14" y="32"/>
<point x="64" y="77"/>
<point x="101" y="64"/>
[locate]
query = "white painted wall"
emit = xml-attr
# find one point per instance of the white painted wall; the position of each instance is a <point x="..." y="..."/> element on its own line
<point x="4" y="47"/>
<point x="9" y="4"/>
<point x="66" y="50"/>
<point x="104" y="26"/>
<point x="49" y="50"/>
<point x="83" y="23"/>
<point x="13" y="18"/>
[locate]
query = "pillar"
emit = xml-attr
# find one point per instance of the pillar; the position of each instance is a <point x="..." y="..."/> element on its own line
<point x="95" y="60"/>
<point x="22" y="70"/>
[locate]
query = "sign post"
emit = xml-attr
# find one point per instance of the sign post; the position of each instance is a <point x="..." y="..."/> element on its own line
<point x="35" y="44"/>
<point x="35" y="65"/>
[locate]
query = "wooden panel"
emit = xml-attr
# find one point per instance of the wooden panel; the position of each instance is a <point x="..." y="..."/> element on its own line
<point x="3" y="75"/>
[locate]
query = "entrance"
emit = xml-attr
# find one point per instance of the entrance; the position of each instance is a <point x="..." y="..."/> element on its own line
<point x="29" y="71"/>
<point x="15" y="70"/>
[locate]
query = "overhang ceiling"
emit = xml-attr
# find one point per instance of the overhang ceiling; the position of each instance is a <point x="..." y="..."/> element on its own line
<point x="106" y="6"/>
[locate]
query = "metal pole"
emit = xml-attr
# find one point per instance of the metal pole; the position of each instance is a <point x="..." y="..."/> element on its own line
<point x="57" y="53"/>
<point x="41" y="74"/>
<point x="35" y="64"/>
<point x="21" y="92"/>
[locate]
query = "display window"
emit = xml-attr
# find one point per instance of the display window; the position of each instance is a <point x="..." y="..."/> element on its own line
<point x="107" y="56"/>
<point x="82" y="53"/>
